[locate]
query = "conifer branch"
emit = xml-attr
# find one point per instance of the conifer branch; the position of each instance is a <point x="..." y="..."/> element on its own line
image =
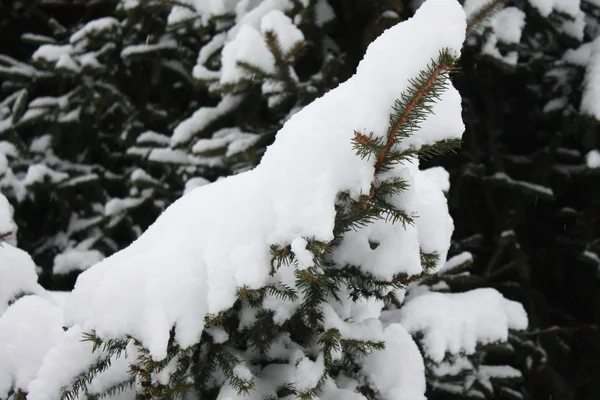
<point x="282" y="61"/>
<point x="414" y="104"/>
<point x="4" y="236"/>
<point x="484" y="13"/>
<point x="429" y="261"/>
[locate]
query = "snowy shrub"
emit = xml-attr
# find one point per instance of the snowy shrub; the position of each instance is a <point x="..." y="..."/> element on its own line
<point x="289" y="280"/>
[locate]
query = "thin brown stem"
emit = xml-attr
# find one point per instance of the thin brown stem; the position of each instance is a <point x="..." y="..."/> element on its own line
<point x="483" y="14"/>
<point x="422" y="91"/>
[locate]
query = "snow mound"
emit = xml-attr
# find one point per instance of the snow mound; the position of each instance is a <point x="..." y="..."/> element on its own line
<point x="28" y="329"/>
<point x="17" y="275"/>
<point x="453" y="323"/>
<point x="215" y="239"/>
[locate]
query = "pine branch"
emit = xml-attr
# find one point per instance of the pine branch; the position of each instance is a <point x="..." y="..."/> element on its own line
<point x="361" y="347"/>
<point x="282" y="61"/>
<point x="227" y="363"/>
<point x="4" y="237"/>
<point x="429" y="261"/>
<point x="118" y="388"/>
<point x="484" y="13"/>
<point x="416" y="102"/>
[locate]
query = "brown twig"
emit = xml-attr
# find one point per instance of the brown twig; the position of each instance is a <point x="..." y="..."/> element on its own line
<point x="422" y="91"/>
<point x="484" y="14"/>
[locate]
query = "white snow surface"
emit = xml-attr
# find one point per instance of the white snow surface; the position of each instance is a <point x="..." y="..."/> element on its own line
<point x="592" y="160"/>
<point x="50" y="52"/>
<point x="545" y="7"/>
<point x="7" y="224"/>
<point x="452" y="323"/>
<point x="579" y="56"/>
<point x="38" y="173"/>
<point x="439" y="176"/>
<point x="590" y="99"/>
<point x="398" y="372"/>
<point x="202" y="118"/>
<point x="95" y="27"/>
<point x="288" y="35"/>
<point x="17" y="275"/>
<point x="75" y="260"/>
<point x="507" y="25"/>
<point x="217" y="237"/>
<point x="28" y="329"/>
<point x="250" y="47"/>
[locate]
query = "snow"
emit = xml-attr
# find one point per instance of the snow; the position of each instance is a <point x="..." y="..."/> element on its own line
<point x="500" y="371"/>
<point x="69" y="357"/>
<point x="398" y="372"/>
<point x="591" y="256"/>
<point x="215" y="43"/>
<point x="544" y="7"/>
<point x="41" y="144"/>
<point x="571" y="8"/>
<point x="194" y="183"/>
<point x="303" y="256"/>
<point x="456" y="261"/>
<point x="592" y="160"/>
<point x="288" y="35"/>
<point x="50" y="52"/>
<point x="67" y="63"/>
<point x="39" y="173"/>
<point x="6" y="216"/>
<point x="453" y="323"/>
<point x="574" y="27"/>
<point x="248" y="14"/>
<point x="17" y="275"/>
<point x="3" y="163"/>
<point x="95" y="27"/>
<point x="140" y="49"/>
<point x="75" y="260"/>
<point x="579" y="56"/>
<point x="324" y="12"/>
<point x="471" y="7"/>
<point x="151" y="137"/>
<point x="202" y="118"/>
<point x="530" y="186"/>
<point x="216" y="238"/>
<point x="232" y="139"/>
<point x="507" y="25"/>
<point x="28" y="329"/>
<point x="248" y="46"/>
<point x="308" y="373"/>
<point x="439" y="176"/>
<point x="203" y="8"/>
<point x="139" y="175"/>
<point x="39" y="39"/>
<point x="220" y="233"/>
<point x="118" y="206"/>
<point x="590" y="100"/>
<point x="176" y="156"/>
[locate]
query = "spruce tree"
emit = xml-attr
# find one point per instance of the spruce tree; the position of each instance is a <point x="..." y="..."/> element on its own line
<point x="524" y="194"/>
<point x="68" y="118"/>
<point x="288" y="281"/>
<point x="291" y="61"/>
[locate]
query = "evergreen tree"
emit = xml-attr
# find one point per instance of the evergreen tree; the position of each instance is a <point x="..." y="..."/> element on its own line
<point x="288" y="281"/>
<point x="524" y="194"/>
<point x="179" y="98"/>
<point x="68" y="119"/>
<point x="290" y="61"/>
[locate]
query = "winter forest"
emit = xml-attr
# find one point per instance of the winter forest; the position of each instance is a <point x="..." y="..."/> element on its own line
<point x="300" y="199"/>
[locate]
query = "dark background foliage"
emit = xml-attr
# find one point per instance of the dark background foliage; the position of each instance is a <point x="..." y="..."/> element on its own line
<point x="538" y="262"/>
